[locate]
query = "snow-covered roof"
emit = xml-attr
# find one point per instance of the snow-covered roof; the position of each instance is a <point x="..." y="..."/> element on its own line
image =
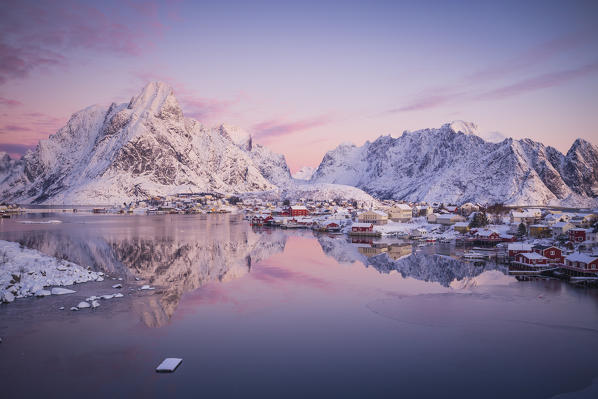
<point x="404" y="207"/>
<point x="532" y="255"/>
<point x="518" y="246"/>
<point x="579" y="257"/>
<point x="361" y="225"/>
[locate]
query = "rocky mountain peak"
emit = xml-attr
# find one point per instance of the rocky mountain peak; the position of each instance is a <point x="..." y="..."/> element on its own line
<point x="157" y="99"/>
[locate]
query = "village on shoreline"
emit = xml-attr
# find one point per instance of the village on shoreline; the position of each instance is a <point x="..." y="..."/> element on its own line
<point x="532" y="240"/>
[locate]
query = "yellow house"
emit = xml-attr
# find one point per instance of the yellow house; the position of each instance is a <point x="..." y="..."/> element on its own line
<point x="400" y="213"/>
<point x="373" y="217"/>
<point x="539" y="230"/>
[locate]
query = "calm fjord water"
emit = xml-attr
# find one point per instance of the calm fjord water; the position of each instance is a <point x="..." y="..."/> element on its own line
<point x="274" y="313"/>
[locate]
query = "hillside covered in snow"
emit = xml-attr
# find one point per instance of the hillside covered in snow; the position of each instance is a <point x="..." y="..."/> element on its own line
<point x="147" y="147"/>
<point x="453" y="164"/>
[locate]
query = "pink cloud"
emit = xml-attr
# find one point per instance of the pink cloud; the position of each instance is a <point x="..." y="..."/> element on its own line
<point x="34" y="34"/>
<point x="7" y="102"/>
<point x="24" y="130"/>
<point x="533" y="56"/>
<point x="539" y="82"/>
<point x="427" y="102"/>
<point x="277" y="128"/>
<point x="194" y="106"/>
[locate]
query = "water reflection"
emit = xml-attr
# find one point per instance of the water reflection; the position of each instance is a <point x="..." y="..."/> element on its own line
<point x="179" y="254"/>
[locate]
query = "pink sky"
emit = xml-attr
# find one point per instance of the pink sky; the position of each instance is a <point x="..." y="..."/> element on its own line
<point x="304" y="77"/>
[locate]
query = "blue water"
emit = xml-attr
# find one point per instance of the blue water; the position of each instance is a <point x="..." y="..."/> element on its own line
<point x="272" y="313"/>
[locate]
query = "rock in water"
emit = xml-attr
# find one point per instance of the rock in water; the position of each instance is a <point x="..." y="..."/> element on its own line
<point x="83" y="305"/>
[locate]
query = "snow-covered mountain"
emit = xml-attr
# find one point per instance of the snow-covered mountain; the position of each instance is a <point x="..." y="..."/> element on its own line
<point x="453" y="164"/>
<point x="135" y="150"/>
<point x="305" y="173"/>
<point x="144" y="148"/>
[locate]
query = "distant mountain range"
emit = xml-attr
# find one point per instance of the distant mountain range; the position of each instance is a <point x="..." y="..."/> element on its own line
<point x="147" y="147"/>
<point x="453" y="164"/>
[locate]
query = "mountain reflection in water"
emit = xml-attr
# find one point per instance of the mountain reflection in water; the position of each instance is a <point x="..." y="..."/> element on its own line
<point x="179" y="254"/>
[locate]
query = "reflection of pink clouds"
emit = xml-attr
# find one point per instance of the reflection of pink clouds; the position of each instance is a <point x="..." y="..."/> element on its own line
<point x="274" y="275"/>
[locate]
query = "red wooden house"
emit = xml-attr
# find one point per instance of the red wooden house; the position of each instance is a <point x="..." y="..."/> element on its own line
<point x="577" y="235"/>
<point x="531" y="258"/>
<point x="517" y="248"/>
<point x="362" y="227"/>
<point x="552" y="253"/>
<point x="297" y="210"/>
<point x="582" y="262"/>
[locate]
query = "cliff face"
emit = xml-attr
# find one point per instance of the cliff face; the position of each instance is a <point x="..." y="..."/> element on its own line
<point x="132" y="151"/>
<point x="452" y="164"/>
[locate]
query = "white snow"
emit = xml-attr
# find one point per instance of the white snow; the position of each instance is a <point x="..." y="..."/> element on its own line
<point x="25" y="272"/>
<point x="305" y="173"/>
<point x="61" y="291"/>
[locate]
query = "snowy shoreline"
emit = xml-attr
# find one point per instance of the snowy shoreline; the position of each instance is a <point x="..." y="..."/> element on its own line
<point x="26" y="272"/>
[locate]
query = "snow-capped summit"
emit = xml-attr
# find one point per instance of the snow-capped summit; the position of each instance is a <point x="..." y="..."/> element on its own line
<point x="452" y="164"/>
<point x="463" y="127"/>
<point x="132" y="151"/>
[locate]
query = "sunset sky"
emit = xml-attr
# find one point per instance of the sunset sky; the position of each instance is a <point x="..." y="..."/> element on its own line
<point x="304" y="76"/>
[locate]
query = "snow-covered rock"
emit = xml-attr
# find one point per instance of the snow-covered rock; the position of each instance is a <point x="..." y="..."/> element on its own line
<point x="25" y="272"/>
<point x="61" y="291"/>
<point x="305" y="173"/>
<point x="83" y="305"/>
<point x="453" y="164"/>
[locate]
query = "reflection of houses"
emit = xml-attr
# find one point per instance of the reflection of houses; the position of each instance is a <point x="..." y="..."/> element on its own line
<point x="398" y="250"/>
<point x="373" y="217"/>
<point x="400" y="213"/>
<point x="372" y="249"/>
